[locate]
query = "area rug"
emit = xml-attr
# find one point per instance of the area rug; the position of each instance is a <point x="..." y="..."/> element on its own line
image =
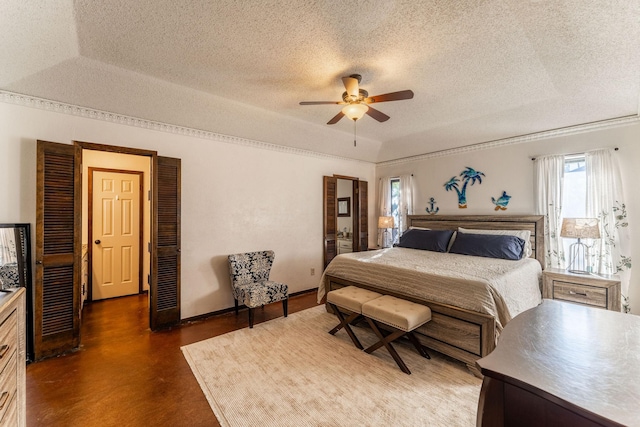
<point x="291" y="372"/>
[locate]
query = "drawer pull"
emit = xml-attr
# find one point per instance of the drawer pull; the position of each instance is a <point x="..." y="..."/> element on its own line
<point x="582" y="294"/>
<point x="3" y="399"/>
<point x="3" y="350"/>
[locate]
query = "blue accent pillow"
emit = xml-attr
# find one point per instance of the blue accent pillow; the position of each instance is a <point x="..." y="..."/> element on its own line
<point x="488" y="245"/>
<point x="428" y="240"/>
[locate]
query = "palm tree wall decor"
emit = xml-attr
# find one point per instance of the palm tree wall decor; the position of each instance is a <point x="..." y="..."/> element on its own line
<point x="468" y="175"/>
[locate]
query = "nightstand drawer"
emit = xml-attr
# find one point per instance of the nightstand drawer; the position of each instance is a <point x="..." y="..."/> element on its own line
<point x="588" y="295"/>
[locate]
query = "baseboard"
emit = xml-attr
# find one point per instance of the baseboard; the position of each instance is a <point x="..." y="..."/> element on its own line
<point x="231" y="309"/>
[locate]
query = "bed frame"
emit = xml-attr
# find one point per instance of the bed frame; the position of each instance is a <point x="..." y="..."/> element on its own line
<point x="461" y="334"/>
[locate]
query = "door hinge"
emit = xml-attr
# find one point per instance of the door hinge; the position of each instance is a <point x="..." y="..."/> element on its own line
<point x="149" y="247"/>
<point x="148" y="279"/>
<point x="149" y="195"/>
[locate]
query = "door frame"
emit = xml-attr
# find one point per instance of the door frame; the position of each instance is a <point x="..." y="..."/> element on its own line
<point x="359" y="211"/>
<point x="90" y="226"/>
<point x="64" y="321"/>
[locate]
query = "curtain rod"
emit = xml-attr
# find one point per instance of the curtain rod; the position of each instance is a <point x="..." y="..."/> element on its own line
<point x="575" y="154"/>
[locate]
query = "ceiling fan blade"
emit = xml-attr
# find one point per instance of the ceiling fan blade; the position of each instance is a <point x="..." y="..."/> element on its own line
<point x="393" y="96"/>
<point x="378" y="115"/>
<point x="319" y="102"/>
<point x="336" y="118"/>
<point x="351" y="85"/>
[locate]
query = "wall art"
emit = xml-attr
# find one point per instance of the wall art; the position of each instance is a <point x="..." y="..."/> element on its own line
<point x="467" y="175"/>
<point x="502" y="201"/>
<point x="431" y="209"/>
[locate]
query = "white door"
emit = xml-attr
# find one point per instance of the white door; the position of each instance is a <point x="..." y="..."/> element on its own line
<point x="116" y="234"/>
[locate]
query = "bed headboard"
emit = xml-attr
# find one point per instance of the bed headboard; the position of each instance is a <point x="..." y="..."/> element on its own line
<point x="533" y="223"/>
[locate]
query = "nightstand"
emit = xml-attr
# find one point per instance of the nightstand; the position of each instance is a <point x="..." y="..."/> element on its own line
<point x="588" y="289"/>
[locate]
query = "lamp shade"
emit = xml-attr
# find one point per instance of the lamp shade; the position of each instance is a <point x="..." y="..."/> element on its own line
<point x="355" y="111"/>
<point x="580" y="228"/>
<point x="385" y="222"/>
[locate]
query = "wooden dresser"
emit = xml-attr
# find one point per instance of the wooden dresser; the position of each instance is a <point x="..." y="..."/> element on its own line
<point x="563" y="364"/>
<point x="12" y="358"/>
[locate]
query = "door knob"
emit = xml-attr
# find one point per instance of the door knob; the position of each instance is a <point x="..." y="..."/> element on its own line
<point x="97" y="242"/>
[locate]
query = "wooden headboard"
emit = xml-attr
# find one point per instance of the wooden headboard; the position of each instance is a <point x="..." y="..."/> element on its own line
<point x="533" y="223"/>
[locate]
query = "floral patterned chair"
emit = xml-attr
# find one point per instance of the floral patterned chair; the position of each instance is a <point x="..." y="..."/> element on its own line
<point x="250" y="281"/>
<point x="9" y="276"/>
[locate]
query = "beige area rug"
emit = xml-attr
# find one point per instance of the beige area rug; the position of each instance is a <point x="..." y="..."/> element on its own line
<point x="291" y="372"/>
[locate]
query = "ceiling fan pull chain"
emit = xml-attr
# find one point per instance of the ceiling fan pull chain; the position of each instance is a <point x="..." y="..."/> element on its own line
<point x="354" y="132"/>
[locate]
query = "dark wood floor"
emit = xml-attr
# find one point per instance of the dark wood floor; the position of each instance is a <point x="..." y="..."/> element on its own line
<point x="126" y="375"/>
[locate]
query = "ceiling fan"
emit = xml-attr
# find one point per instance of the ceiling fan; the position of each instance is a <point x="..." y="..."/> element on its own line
<point x="356" y="101"/>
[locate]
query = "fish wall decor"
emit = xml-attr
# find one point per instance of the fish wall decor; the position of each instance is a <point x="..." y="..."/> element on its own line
<point x="502" y="201"/>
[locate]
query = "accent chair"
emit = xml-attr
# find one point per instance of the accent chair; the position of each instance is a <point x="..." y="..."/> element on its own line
<point x="249" y="274"/>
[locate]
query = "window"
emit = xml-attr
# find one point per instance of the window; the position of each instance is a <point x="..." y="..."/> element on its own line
<point x="395" y="207"/>
<point x="574" y="197"/>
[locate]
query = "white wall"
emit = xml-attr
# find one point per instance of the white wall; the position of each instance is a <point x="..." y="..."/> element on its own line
<point x="510" y="168"/>
<point x="234" y="198"/>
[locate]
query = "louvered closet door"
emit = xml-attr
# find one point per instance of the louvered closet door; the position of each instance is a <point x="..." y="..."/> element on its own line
<point x="165" y="269"/>
<point x="57" y="299"/>
<point x="363" y="216"/>
<point x="330" y="196"/>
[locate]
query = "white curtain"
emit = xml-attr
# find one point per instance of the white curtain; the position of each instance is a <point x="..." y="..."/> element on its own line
<point x="406" y="201"/>
<point x="605" y="200"/>
<point x="384" y="196"/>
<point x="548" y="177"/>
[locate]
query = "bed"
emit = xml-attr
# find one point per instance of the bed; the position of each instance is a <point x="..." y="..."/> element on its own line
<point x="471" y="298"/>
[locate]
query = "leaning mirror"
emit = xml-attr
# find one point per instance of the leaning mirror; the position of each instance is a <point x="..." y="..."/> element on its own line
<point x="15" y="267"/>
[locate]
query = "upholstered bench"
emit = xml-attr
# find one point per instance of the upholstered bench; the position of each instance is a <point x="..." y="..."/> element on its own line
<point x="351" y="299"/>
<point x="402" y="317"/>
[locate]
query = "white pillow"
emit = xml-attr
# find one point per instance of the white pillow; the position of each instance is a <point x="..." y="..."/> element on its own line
<point x="523" y="234"/>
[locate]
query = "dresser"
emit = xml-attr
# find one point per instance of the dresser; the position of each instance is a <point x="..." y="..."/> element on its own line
<point x="562" y="364"/>
<point x="12" y="358"/>
<point x="589" y="289"/>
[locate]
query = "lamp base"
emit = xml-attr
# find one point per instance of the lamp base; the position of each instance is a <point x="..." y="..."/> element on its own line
<point x="577" y="258"/>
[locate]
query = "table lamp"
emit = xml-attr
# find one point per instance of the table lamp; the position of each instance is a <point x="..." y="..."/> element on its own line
<point x="385" y="222"/>
<point x="579" y="228"/>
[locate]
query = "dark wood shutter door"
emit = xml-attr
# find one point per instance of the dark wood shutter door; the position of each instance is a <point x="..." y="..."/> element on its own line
<point x="165" y="269"/>
<point x="330" y="195"/>
<point x="363" y="216"/>
<point x="57" y="296"/>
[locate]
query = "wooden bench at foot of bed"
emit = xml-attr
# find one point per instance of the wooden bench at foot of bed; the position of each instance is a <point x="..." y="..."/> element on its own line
<point x="461" y="334"/>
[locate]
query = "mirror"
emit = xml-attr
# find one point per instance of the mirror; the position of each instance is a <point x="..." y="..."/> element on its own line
<point x="15" y="268"/>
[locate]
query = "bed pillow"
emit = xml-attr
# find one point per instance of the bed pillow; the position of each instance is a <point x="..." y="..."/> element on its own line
<point x="489" y="246"/>
<point x="523" y="234"/>
<point x="428" y="240"/>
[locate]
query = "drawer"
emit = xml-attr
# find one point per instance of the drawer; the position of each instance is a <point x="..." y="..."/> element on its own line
<point x="581" y="294"/>
<point x="10" y="418"/>
<point x="8" y="389"/>
<point x="8" y="338"/>
<point x="346" y="244"/>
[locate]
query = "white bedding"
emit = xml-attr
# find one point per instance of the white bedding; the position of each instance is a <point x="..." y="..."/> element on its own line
<point x="497" y="287"/>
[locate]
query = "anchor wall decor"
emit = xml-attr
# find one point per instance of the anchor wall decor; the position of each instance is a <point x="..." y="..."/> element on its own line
<point x="432" y="210"/>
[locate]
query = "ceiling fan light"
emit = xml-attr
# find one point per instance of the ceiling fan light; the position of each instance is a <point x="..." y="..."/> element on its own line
<point x="355" y="111"/>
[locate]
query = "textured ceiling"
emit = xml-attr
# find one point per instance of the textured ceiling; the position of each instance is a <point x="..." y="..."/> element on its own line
<point x="480" y="70"/>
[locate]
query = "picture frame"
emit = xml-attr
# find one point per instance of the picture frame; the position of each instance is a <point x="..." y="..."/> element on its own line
<point x="344" y="206"/>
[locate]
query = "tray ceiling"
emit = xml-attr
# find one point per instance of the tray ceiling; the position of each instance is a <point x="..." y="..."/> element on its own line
<point x="480" y="70"/>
